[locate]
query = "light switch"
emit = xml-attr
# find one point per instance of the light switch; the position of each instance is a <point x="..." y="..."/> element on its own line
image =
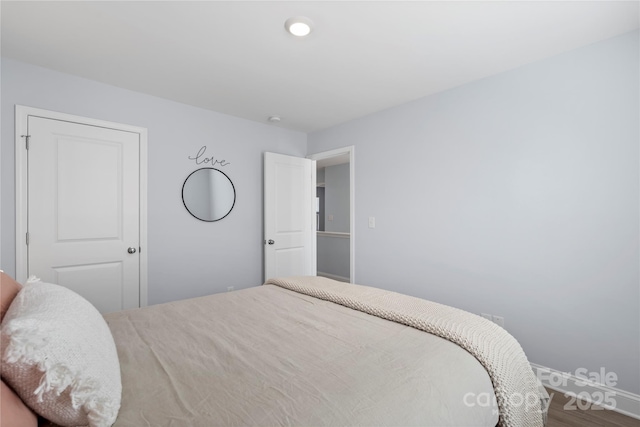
<point x="329" y="217"/>
<point x="372" y="222"/>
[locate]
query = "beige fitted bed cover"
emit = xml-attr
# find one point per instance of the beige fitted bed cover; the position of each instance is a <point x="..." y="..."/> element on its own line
<point x="270" y="356"/>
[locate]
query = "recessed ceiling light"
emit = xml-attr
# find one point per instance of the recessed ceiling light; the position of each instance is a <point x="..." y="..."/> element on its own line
<point x="299" y="26"/>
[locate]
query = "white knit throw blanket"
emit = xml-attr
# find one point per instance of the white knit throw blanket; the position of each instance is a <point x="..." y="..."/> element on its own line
<point x="515" y="385"/>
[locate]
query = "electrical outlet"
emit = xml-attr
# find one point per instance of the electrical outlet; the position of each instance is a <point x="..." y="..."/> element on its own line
<point x="487" y="316"/>
<point x="498" y="320"/>
<point x="329" y="217"/>
<point x="372" y="222"/>
<point x="230" y="288"/>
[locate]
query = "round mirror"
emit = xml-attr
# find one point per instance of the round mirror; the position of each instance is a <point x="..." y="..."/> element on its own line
<point x="208" y="194"/>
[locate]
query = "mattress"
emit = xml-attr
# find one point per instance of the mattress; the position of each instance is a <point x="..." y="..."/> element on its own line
<point x="269" y="356"/>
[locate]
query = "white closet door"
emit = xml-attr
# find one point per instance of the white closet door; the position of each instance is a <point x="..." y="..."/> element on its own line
<point x="84" y="210"/>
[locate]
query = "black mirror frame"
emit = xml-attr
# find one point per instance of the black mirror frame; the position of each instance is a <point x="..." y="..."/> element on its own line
<point x="209" y="220"/>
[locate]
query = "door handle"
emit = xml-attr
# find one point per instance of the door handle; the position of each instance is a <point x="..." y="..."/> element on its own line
<point x="131" y="250"/>
<point x="271" y="242"/>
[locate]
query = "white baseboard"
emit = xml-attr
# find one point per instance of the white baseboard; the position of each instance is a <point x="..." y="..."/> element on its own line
<point x="599" y="394"/>
<point x="333" y="276"/>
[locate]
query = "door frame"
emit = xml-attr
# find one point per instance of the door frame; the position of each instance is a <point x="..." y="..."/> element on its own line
<point x="350" y="150"/>
<point x="22" y="114"/>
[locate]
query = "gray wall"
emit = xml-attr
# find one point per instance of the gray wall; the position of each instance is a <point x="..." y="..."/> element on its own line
<point x="186" y="257"/>
<point x="333" y="252"/>
<point x="333" y="256"/>
<point x="516" y="195"/>
<point x="336" y="198"/>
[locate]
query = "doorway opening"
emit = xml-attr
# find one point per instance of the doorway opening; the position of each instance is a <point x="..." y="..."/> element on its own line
<point x="335" y="198"/>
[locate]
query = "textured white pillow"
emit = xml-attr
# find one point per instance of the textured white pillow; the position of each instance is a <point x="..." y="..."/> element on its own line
<point x="59" y="356"/>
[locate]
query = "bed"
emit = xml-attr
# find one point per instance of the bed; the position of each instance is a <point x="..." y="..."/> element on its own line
<point x="316" y="352"/>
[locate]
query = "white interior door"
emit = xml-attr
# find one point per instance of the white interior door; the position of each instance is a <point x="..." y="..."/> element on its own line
<point x="84" y="210"/>
<point x="289" y="216"/>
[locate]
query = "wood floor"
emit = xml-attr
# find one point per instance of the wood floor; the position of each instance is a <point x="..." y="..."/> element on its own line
<point x="565" y="412"/>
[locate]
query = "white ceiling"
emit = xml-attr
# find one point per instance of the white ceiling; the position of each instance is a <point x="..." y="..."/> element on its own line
<point x="235" y="57"/>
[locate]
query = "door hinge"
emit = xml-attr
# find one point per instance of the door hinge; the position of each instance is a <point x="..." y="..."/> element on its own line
<point x="26" y="138"/>
<point x="27" y="238"/>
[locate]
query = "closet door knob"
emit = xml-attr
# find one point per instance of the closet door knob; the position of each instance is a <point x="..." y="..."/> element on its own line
<point x="271" y="242"/>
<point x="131" y="250"/>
